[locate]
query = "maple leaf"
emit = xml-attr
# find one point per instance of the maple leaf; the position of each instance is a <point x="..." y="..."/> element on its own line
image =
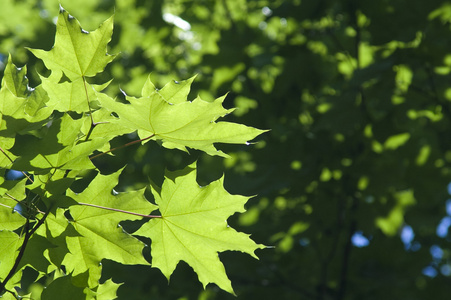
<point x="193" y="227"/>
<point x="100" y="236"/>
<point x="168" y="116"/>
<point x="76" y="52"/>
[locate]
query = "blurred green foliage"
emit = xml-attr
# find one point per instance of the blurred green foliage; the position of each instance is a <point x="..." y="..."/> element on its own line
<point x="357" y="96"/>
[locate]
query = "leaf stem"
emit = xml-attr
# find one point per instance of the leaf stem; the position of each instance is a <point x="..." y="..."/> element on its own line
<point x="120" y="210"/>
<point x="7" y="206"/>
<point x="123" y="146"/>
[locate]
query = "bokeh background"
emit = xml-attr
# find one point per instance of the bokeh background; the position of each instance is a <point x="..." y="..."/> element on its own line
<point x="351" y="182"/>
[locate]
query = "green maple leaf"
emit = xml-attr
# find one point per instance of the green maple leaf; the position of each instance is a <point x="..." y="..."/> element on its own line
<point x="193" y="227"/>
<point x="166" y="115"/>
<point x="100" y="236"/>
<point x="76" y="52"/>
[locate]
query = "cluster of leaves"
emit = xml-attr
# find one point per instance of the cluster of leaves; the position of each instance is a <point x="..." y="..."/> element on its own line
<point x="50" y="139"/>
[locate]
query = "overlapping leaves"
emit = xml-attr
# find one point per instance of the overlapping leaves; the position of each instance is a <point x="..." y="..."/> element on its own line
<point x="50" y="133"/>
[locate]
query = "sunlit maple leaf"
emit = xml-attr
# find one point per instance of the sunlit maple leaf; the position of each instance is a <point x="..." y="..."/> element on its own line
<point x="168" y="116"/>
<point x="193" y="227"/>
